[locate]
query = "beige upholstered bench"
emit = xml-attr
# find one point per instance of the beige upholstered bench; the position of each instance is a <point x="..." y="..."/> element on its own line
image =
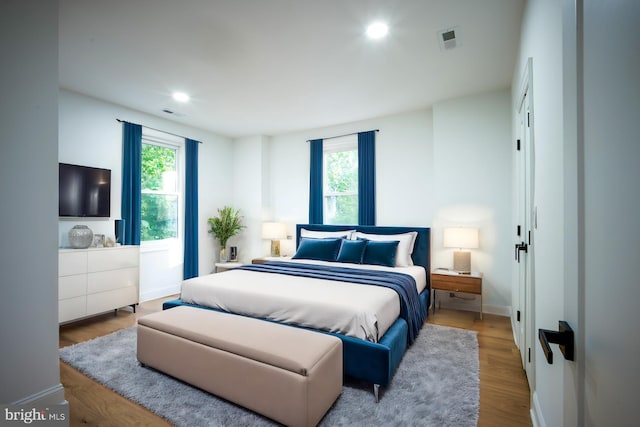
<point x="288" y="374"/>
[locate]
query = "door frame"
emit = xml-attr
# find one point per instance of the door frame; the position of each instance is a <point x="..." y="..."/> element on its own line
<point x="573" y="381"/>
<point x="526" y="289"/>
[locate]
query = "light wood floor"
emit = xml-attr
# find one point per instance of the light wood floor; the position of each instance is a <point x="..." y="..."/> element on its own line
<point x="504" y="393"/>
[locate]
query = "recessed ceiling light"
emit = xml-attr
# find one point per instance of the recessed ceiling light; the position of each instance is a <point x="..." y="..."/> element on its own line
<point x="377" y="30"/>
<point x="181" y="97"/>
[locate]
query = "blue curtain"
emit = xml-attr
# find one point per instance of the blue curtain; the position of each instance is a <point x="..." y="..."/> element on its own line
<point x="315" y="182"/>
<point x="367" y="178"/>
<point x="191" y="210"/>
<point x="131" y="182"/>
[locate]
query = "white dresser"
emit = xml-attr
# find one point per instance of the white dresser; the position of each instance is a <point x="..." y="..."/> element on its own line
<point x="92" y="281"/>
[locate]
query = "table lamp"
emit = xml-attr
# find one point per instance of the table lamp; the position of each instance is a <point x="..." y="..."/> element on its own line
<point x="461" y="238"/>
<point x="274" y="231"/>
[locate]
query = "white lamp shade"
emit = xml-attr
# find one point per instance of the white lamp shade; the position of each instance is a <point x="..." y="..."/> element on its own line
<point x="461" y="237"/>
<point x="274" y="230"/>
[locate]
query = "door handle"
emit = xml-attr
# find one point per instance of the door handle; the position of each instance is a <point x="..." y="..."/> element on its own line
<point x="564" y="338"/>
<point x="522" y="246"/>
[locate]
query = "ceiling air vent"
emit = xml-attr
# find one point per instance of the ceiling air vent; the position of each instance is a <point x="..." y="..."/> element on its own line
<point x="449" y="39"/>
<point x="173" y="112"/>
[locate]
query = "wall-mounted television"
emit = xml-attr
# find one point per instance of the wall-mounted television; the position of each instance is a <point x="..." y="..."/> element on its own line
<point x="84" y="191"/>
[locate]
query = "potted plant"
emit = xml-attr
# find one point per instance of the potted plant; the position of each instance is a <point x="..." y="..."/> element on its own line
<point x="224" y="226"/>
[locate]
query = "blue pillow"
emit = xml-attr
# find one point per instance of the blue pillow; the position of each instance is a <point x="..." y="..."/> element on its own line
<point x="352" y="251"/>
<point x="381" y="253"/>
<point x="318" y="249"/>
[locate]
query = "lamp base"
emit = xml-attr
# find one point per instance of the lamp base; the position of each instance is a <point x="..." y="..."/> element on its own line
<point x="462" y="262"/>
<point x="275" y="248"/>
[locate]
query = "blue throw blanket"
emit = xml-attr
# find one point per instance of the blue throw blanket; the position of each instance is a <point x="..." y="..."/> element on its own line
<point x="411" y="310"/>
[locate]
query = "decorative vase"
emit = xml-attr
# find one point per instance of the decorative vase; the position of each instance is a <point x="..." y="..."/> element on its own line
<point x="223" y="254"/>
<point x="80" y="237"/>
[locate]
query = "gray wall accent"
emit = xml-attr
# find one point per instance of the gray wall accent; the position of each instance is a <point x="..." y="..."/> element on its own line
<point x="29" y="370"/>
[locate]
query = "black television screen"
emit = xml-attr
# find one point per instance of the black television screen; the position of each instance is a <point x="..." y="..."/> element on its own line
<point x="84" y="191"/>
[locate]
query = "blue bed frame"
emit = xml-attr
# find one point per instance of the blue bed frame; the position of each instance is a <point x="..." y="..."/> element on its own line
<point x="372" y="362"/>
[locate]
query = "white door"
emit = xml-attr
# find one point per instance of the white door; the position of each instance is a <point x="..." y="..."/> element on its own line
<point x="523" y="254"/>
<point x="521" y="259"/>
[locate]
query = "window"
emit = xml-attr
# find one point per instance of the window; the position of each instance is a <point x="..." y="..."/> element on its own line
<point x="340" y="178"/>
<point x="160" y="191"/>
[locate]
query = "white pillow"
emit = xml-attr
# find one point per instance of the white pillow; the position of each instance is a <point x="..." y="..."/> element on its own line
<point x="324" y="234"/>
<point x="405" y="247"/>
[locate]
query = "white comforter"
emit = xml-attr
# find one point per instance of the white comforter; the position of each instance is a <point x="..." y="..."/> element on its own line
<point x="356" y="310"/>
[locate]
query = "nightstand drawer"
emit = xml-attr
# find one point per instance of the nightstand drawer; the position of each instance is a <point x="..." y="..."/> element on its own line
<point x="472" y="285"/>
<point x="270" y="258"/>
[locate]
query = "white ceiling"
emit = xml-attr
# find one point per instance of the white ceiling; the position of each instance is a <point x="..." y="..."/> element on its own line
<point x="265" y="67"/>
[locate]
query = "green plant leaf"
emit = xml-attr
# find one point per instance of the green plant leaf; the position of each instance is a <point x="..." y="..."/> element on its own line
<point x="226" y="225"/>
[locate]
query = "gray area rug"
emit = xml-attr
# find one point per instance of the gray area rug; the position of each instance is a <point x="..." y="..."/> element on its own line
<point x="437" y="384"/>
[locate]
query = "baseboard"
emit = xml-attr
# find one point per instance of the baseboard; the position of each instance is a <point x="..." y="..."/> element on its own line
<point x="48" y="397"/>
<point x="537" y="420"/>
<point x="160" y="293"/>
<point x="499" y="310"/>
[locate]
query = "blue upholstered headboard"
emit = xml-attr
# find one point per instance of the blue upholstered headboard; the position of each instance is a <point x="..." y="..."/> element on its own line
<point x="421" y="250"/>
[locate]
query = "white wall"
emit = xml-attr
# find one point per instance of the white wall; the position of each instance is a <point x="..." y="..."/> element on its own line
<point x="250" y="195"/>
<point x="541" y="39"/>
<point x="471" y="175"/>
<point x="404" y="159"/>
<point x="434" y="167"/>
<point x="214" y="191"/>
<point x="29" y="372"/>
<point x="90" y="135"/>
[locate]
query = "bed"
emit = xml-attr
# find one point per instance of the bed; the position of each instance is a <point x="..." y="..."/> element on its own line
<point x="375" y="335"/>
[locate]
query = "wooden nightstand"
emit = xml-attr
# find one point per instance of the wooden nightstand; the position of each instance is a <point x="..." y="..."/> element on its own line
<point x="446" y="280"/>
<point x="269" y="258"/>
<point x="224" y="266"/>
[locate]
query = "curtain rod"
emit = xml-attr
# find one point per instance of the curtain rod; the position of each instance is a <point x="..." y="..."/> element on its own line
<point x="340" y="136"/>
<point x="163" y="131"/>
